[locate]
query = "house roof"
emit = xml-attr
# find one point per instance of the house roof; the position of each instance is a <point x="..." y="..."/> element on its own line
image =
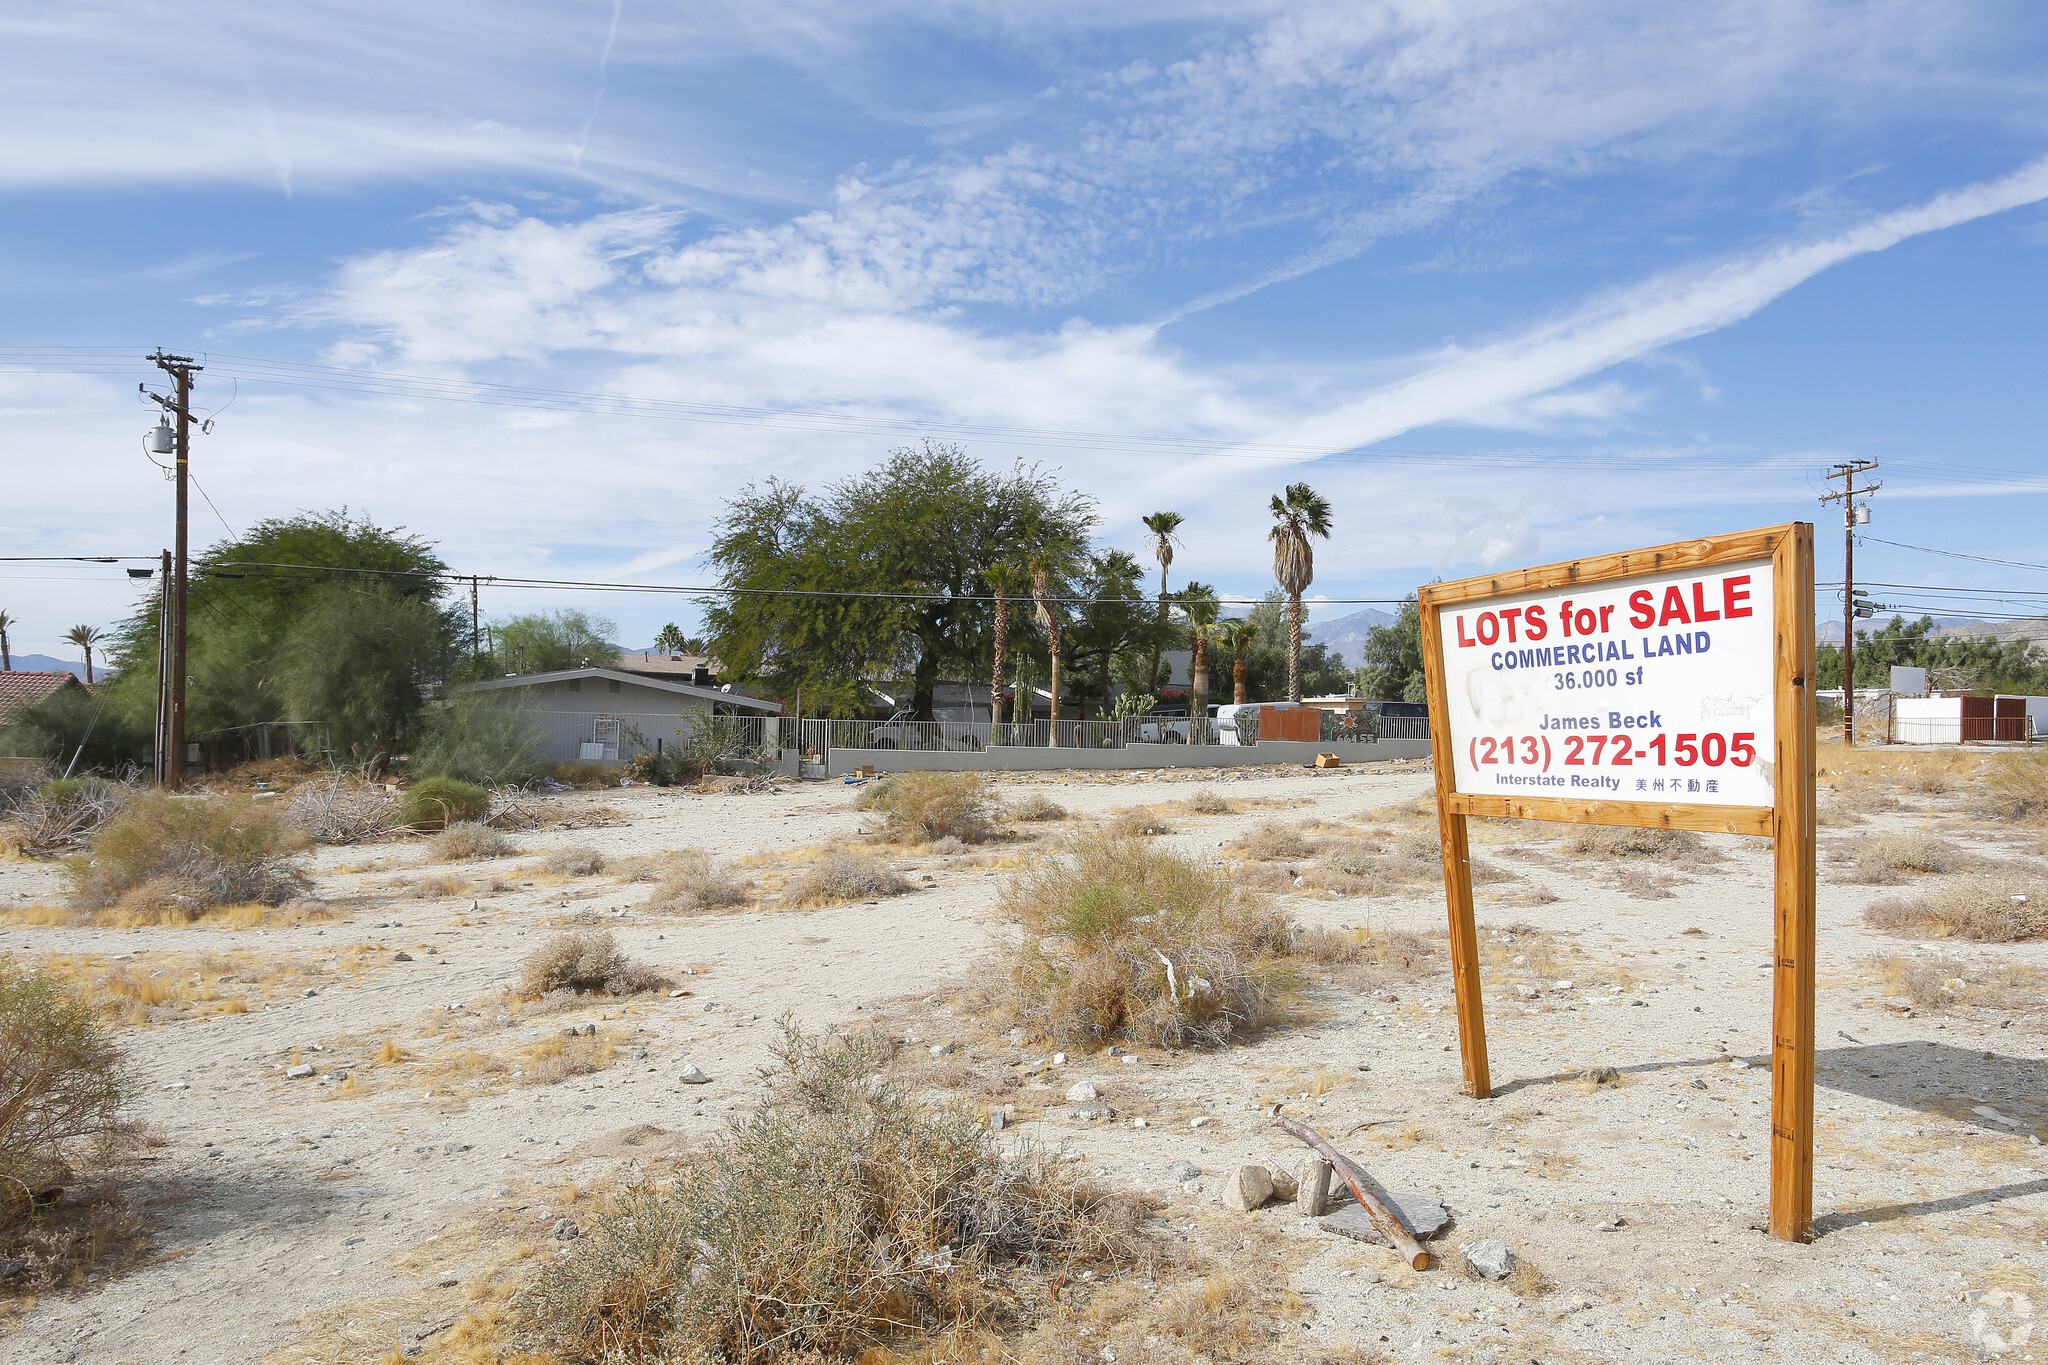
<point x="663" y="665"/>
<point x="612" y="674"/>
<point x="20" y="690"/>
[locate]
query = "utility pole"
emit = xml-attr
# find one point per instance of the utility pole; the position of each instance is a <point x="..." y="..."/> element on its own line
<point x="163" y="673"/>
<point x="180" y="369"/>
<point x="476" y="639"/>
<point x="1854" y="514"/>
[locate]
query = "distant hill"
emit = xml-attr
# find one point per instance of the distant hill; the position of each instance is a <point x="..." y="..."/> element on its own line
<point x="1830" y="632"/>
<point x="43" y="663"/>
<point x="1346" y="634"/>
<point x="2033" y="628"/>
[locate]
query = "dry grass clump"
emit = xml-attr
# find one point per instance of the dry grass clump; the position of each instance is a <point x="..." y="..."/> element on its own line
<point x="585" y="960"/>
<point x="578" y="860"/>
<point x="1269" y="841"/>
<point x="1037" y="807"/>
<point x="695" y="882"/>
<point x="1207" y="801"/>
<point x="1366" y="959"/>
<point x="1944" y="982"/>
<point x="840" y="1214"/>
<point x="1679" y="846"/>
<point x="167" y="858"/>
<point x="1994" y="908"/>
<point x="2013" y="787"/>
<point x="1138" y="822"/>
<point x="920" y="807"/>
<point x="1125" y="940"/>
<point x="341" y="810"/>
<point x="61" y="1091"/>
<point x="467" y="839"/>
<point x="843" y="875"/>
<point x="1883" y="860"/>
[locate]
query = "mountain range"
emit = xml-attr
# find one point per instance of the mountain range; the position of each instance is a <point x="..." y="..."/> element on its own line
<point x="1346" y="634"/>
<point x="43" y="663"/>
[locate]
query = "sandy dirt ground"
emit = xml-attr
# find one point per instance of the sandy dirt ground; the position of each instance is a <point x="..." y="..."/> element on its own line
<point x="339" y="1215"/>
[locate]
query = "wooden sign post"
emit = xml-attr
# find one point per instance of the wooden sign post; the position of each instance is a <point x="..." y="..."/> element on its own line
<point x="1667" y="688"/>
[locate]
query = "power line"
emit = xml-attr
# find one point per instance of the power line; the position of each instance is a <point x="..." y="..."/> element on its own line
<point x="1953" y="554"/>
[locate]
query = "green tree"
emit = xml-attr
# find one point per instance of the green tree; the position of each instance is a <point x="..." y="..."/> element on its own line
<point x="550" y="641"/>
<point x="1268" y="657"/>
<point x="919" y="530"/>
<point x="1393" y="658"/>
<point x="1003" y="582"/>
<point x="670" y="641"/>
<point x="357" y="661"/>
<point x="1114" y="618"/>
<point x="249" y="595"/>
<point x="1237" y="635"/>
<point x="1162" y="525"/>
<point x="1198" y="603"/>
<point x="85" y="637"/>
<point x="1299" y="515"/>
<point x="1957" y="662"/>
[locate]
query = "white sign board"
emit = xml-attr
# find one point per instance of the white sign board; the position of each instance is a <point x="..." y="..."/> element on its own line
<point x="1658" y="688"/>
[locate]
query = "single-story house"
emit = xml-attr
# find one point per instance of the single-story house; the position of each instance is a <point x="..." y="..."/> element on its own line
<point x="607" y="715"/>
<point x="21" y="689"/>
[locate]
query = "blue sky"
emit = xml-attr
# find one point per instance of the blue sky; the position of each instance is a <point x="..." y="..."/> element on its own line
<point x="1625" y="273"/>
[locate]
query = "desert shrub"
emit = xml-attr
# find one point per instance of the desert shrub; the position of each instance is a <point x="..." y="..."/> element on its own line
<point x="584" y="960"/>
<point x="1138" y="822"/>
<point x="1995" y="908"/>
<point x="920" y="807"/>
<point x="1269" y="841"/>
<point x="843" y="875"/>
<point x="1883" y="860"/>
<point x="1661" y="845"/>
<point x="1126" y="940"/>
<point x="695" y="882"/>
<point x="67" y="813"/>
<point x="584" y="775"/>
<point x="2014" y="787"/>
<point x="175" y="856"/>
<point x="1207" y="801"/>
<point x="467" y="839"/>
<point x="61" y="1087"/>
<point x="1398" y="951"/>
<point x="577" y="860"/>
<point x="484" y="741"/>
<point x="841" y="1212"/>
<point x="1037" y="807"/>
<point x="439" y="802"/>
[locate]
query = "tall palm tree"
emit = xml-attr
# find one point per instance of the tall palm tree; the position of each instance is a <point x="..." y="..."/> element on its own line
<point x="670" y="641"/>
<point x="1003" y="581"/>
<point x="85" y="637"/>
<point x="1198" y="603"/>
<point x="1238" y="634"/>
<point x="1044" y="565"/>
<point x="6" y="651"/>
<point x="1298" y="514"/>
<point x="1162" y="525"/>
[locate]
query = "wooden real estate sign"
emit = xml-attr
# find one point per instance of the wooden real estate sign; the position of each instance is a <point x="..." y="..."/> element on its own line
<point x="1666" y="688"/>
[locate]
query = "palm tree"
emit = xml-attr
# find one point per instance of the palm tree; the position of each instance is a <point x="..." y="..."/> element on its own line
<point x="670" y="641"/>
<point x="6" y="652"/>
<point x="85" y="637"/>
<point x="1003" y="581"/>
<point x="1298" y="514"/>
<point x="1237" y="634"/>
<point x="1198" y="603"/>
<point x="1162" y="525"/>
<point x="1044" y="565"/>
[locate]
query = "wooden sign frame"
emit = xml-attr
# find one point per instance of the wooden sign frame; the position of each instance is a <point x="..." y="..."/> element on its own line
<point x="1788" y="821"/>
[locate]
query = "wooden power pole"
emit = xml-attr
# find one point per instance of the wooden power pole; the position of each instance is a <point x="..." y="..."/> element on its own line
<point x="1853" y="515"/>
<point x="180" y="369"/>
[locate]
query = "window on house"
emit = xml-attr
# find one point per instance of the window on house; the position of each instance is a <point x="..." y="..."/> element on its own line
<point x="575" y="684"/>
<point x="611" y="685"/>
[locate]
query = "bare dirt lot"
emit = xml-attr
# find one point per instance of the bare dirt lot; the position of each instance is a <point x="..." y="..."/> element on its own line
<point x="397" y="1196"/>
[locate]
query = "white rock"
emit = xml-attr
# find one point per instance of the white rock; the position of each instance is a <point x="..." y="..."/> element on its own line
<point x="1489" y="1257"/>
<point x="692" y="1075"/>
<point x="1285" y="1184"/>
<point x="300" y="1072"/>
<point x="1059" y="1059"/>
<point x="1203" y="1122"/>
<point x="1080" y="1091"/>
<point x="1247" y="1188"/>
<point x="1527" y="992"/>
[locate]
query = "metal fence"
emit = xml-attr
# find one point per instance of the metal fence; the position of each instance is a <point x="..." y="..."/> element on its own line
<point x="819" y="737"/>
<point x="615" y="736"/>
